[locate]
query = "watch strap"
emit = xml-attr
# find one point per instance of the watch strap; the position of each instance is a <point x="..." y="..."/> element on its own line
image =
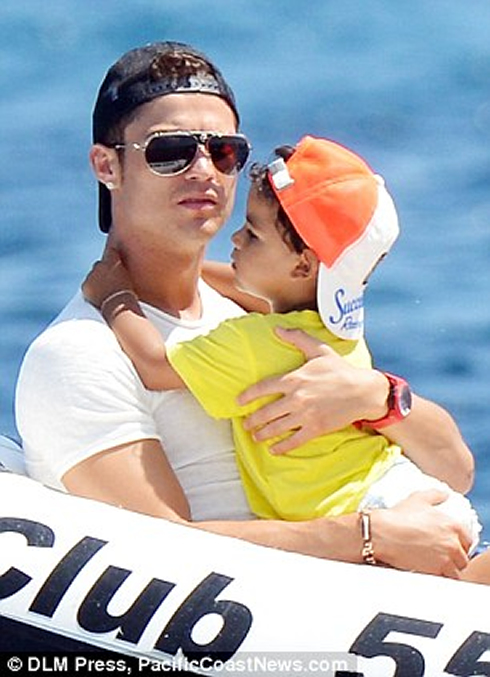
<point x="397" y="410"/>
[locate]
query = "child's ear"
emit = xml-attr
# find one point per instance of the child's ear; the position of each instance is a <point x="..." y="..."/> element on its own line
<point x="306" y="265"/>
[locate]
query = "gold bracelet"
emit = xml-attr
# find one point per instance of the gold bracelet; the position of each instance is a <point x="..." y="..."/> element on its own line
<point x="367" y="543"/>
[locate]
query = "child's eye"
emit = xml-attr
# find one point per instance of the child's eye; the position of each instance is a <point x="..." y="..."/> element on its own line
<point x="251" y="235"/>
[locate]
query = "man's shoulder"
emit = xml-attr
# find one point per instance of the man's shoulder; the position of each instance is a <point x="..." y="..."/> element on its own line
<point x="77" y="328"/>
<point x="77" y="309"/>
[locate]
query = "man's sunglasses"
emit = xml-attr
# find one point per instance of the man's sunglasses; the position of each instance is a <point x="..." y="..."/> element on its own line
<point x="171" y="153"/>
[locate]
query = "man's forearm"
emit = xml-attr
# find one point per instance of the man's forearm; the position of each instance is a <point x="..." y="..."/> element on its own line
<point x="338" y="538"/>
<point x="431" y="439"/>
<point x="429" y="436"/>
<point x="437" y="544"/>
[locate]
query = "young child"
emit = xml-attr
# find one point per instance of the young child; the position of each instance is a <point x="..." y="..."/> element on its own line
<point x="318" y="222"/>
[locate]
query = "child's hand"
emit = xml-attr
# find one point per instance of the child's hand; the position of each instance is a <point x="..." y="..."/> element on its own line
<point x="107" y="277"/>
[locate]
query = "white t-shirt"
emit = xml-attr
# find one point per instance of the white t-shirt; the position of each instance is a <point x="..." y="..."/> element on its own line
<point x="78" y="394"/>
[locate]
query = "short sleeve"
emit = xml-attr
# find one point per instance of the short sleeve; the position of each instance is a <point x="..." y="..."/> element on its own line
<point x="77" y="394"/>
<point x="218" y="366"/>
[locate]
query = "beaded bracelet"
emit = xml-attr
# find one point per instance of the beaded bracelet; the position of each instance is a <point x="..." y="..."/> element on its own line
<point x="367" y="543"/>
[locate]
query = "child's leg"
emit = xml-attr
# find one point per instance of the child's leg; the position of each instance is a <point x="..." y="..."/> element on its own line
<point x="403" y="478"/>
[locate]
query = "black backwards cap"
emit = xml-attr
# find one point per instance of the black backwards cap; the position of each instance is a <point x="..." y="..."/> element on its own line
<point x="139" y="77"/>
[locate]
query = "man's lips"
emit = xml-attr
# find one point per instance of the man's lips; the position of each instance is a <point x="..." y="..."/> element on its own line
<point x="199" y="201"/>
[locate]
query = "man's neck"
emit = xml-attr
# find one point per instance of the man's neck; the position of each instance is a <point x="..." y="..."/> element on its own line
<point x="168" y="283"/>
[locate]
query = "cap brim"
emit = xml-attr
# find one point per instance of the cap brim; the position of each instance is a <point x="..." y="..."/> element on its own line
<point x="340" y="287"/>
<point x="340" y="304"/>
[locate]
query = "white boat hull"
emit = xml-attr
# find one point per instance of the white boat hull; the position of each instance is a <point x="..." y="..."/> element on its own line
<point x="77" y="575"/>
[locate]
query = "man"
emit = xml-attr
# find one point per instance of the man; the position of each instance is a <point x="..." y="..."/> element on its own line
<point x="166" y="154"/>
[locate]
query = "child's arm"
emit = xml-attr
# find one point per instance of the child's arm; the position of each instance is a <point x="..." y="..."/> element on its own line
<point x="109" y="288"/>
<point x="221" y="277"/>
<point x="141" y="341"/>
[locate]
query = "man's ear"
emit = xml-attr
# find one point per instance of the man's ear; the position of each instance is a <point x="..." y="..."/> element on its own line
<point x="105" y="165"/>
<point x="306" y="265"/>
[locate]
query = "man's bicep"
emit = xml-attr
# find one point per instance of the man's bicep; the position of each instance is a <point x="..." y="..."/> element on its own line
<point x="136" y="476"/>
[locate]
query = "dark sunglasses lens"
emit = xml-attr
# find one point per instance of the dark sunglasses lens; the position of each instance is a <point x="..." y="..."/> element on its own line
<point x="170" y="154"/>
<point x="229" y="153"/>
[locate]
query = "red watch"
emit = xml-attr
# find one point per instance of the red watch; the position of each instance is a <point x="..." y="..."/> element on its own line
<point x="399" y="404"/>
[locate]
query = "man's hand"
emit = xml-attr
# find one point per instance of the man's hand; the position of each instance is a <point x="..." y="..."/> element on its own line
<point x="415" y="536"/>
<point x="325" y="394"/>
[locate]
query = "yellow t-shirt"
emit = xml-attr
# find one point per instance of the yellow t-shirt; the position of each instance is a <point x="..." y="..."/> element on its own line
<point x="327" y="476"/>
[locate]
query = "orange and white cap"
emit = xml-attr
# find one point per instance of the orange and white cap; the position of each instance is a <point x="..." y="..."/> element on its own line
<point x="344" y="213"/>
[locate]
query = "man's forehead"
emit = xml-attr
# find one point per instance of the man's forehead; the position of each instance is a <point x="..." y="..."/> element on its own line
<point x="194" y="111"/>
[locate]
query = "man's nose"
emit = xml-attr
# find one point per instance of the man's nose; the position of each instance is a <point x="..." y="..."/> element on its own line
<point x="202" y="164"/>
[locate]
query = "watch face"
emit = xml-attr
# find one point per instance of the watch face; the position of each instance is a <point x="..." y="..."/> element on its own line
<point x="405" y="400"/>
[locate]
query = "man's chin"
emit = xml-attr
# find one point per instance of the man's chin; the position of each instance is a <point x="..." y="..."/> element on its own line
<point x="210" y="226"/>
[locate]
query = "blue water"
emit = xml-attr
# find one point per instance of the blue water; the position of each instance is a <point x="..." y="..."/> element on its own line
<point x="405" y="84"/>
